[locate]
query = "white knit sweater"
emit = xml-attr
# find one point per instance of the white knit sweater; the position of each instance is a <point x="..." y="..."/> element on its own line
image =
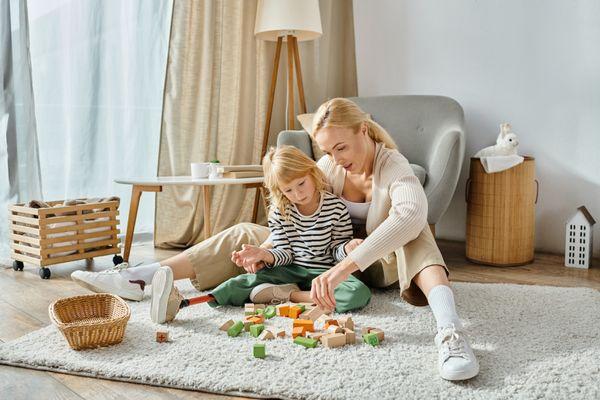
<point x="398" y="211"/>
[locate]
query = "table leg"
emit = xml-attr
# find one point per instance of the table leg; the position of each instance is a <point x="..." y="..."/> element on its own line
<point x="136" y="194"/>
<point x="206" y="192"/>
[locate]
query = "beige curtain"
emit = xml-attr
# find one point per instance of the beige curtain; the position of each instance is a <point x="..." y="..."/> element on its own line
<point x="216" y="97"/>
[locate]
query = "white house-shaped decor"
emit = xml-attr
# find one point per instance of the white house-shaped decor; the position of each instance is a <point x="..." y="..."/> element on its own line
<point x="578" y="239"/>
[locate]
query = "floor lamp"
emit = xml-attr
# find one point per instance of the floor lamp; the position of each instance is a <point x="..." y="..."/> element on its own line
<point x="289" y="21"/>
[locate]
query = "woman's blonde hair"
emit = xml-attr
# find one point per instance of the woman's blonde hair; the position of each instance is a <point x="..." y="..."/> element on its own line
<point x="282" y="165"/>
<point x="344" y="113"/>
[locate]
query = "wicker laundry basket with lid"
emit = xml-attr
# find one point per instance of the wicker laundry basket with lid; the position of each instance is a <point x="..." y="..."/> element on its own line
<point x="501" y="214"/>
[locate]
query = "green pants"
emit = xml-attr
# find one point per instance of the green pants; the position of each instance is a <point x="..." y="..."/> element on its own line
<point x="349" y="295"/>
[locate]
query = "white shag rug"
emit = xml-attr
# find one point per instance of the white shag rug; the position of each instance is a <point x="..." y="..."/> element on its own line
<point x="531" y="342"/>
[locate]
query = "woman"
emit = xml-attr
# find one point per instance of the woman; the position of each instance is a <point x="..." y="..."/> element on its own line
<point x="387" y="205"/>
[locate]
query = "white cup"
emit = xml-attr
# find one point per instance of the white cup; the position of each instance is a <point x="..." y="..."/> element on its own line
<point x="214" y="173"/>
<point x="200" y="170"/>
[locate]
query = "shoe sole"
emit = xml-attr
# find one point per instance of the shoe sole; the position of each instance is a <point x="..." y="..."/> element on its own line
<point x="261" y="298"/>
<point x="97" y="289"/>
<point x="161" y="289"/>
<point x="460" y="375"/>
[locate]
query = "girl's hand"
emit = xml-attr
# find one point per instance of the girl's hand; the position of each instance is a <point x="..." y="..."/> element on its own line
<point x="351" y="245"/>
<point x="323" y="286"/>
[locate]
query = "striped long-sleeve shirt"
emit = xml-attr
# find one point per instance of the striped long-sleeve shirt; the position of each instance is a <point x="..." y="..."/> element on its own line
<point x="315" y="240"/>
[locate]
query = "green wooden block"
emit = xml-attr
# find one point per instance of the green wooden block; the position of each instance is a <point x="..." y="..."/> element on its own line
<point x="256" y="329"/>
<point x="270" y="312"/>
<point x="371" y="338"/>
<point x="306" y="342"/>
<point x="259" y="350"/>
<point x="235" y="329"/>
<point x="259" y="311"/>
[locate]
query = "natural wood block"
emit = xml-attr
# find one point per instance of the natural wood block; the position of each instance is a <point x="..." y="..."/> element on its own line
<point x="227" y="325"/>
<point x="315" y="335"/>
<point x="330" y="322"/>
<point x="281" y="333"/>
<point x="313" y="314"/>
<point x="266" y="335"/>
<point x="162" y="336"/>
<point x="346" y="322"/>
<point x="378" y="332"/>
<point x="350" y="336"/>
<point x="333" y="340"/>
<point x="334" y="329"/>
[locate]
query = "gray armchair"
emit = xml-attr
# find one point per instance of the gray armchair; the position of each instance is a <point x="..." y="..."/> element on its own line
<point x="429" y="132"/>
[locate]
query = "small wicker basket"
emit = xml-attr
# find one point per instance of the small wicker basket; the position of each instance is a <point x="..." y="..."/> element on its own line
<point x="90" y="321"/>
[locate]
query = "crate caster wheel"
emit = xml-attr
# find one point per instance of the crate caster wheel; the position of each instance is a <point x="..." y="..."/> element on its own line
<point x="18" y="265"/>
<point x="44" y="273"/>
<point x="117" y="260"/>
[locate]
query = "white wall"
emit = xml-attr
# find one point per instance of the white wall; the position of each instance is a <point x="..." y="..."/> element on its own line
<point x="534" y="64"/>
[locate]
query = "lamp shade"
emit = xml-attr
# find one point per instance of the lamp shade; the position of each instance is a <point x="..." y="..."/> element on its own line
<point x="276" y="17"/>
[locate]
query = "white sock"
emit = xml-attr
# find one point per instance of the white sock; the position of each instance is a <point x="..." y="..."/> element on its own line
<point x="143" y="272"/>
<point x="441" y="301"/>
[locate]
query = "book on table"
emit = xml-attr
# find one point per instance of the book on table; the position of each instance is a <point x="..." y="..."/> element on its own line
<point x="239" y="168"/>
<point x="242" y="174"/>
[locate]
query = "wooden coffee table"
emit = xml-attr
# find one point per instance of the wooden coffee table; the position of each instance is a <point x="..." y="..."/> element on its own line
<point x="156" y="184"/>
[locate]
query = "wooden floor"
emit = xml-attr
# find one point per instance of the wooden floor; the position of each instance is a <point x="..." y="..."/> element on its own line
<point x="24" y="300"/>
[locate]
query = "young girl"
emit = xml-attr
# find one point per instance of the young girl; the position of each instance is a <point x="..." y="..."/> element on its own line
<point x="311" y="231"/>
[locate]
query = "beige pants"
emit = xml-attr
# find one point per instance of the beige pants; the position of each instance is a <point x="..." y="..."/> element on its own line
<point x="212" y="263"/>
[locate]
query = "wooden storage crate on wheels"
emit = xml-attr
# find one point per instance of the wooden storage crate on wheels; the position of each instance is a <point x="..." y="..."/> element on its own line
<point x="58" y="234"/>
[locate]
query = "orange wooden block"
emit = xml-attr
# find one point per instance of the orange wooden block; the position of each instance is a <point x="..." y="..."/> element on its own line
<point x="256" y="319"/>
<point x="283" y="310"/>
<point x="307" y="324"/>
<point x="295" y="312"/>
<point x="298" y="331"/>
<point x="330" y="322"/>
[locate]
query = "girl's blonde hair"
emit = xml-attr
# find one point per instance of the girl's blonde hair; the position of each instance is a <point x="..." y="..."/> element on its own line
<point x="344" y="113"/>
<point x="282" y="165"/>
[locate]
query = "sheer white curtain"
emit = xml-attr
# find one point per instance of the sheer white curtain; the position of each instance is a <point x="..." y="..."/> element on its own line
<point x="98" y="70"/>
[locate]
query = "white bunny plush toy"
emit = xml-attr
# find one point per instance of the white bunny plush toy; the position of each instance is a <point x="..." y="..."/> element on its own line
<point x="506" y="145"/>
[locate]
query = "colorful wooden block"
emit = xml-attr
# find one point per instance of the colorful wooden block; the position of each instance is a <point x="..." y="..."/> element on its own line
<point x="333" y="340"/>
<point x="306" y="342"/>
<point x="281" y="333"/>
<point x="162" y="336"/>
<point x="259" y="350"/>
<point x="365" y="330"/>
<point x="330" y="322"/>
<point x="307" y="324"/>
<point x="227" y="325"/>
<point x="266" y="335"/>
<point x="247" y="325"/>
<point x="283" y="310"/>
<point x="270" y="312"/>
<point x="256" y="329"/>
<point x="371" y="338"/>
<point x="297" y="331"/>
<point x="235" y="329"/>
<point x="302" y="307"/>
<point x="294" y="312"/>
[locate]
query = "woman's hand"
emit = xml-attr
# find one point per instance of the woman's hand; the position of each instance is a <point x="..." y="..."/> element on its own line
<point x="351" y="245"/>
<point x="323" y="286"/>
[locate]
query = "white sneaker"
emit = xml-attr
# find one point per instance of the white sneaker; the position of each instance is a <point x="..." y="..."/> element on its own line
<point x="456" y="360"/>
<point x="269" y="293"/>
<point x="165" y="297"/>
<point x="110" y="281"/>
